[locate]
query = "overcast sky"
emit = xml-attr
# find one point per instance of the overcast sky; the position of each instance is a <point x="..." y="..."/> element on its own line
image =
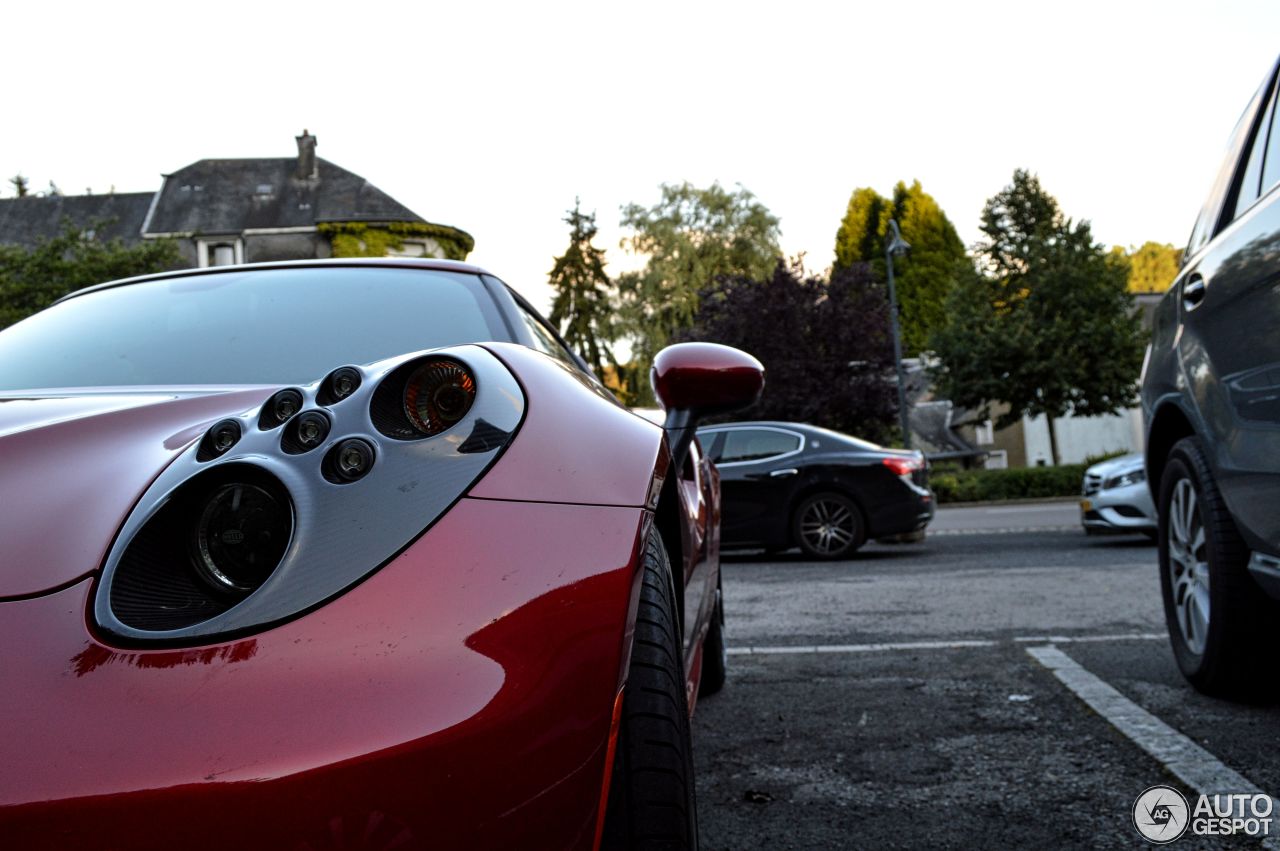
<point x="494" y="116"/>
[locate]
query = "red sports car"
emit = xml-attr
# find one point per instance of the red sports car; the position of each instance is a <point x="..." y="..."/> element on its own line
<point x="349" y="554"/>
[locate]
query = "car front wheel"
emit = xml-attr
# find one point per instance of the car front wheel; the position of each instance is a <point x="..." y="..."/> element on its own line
<point x="1218" y="619"/>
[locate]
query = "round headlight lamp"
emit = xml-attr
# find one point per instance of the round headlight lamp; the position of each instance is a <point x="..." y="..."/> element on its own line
<point x="349" y="461"/>
<point x="438" y="394"/>
<point x="339" y="384"/>
<point x="240" y="537"/>
<point x="279" y="408"/>
<point x="305" y="432"/>
<point x="223" y="435"/>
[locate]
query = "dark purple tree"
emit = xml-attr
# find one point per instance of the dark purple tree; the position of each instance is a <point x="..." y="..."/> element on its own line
<point x="824" y="344"/>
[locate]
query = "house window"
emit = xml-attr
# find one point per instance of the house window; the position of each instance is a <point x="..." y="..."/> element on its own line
<point x="425" y="247"/>
<point x="408" y="249"/>
<point x="984" y="433"/>
<point x="219" y="251"/>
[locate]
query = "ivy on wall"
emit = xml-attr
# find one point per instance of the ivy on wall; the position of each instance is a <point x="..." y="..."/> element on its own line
<point x="364" y="239"/>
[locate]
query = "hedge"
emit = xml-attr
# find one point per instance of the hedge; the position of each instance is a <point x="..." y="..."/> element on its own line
<point x="1021" y="483"/>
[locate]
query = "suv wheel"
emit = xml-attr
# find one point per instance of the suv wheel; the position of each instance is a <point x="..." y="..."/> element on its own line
<point x="1218" y="618"/>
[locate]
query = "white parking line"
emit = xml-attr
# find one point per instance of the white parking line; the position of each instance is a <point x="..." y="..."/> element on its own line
<point x="856" y="648"/>
<point x="1003" y="530"/>
<point x="959" y="644"/>
<point x="1076" y="639"/>
<point x="1182" y="757"/>
<point x="1028" y="509"/>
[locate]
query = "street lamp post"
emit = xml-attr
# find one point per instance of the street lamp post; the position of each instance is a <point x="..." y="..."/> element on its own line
<point x="896" y="246"/>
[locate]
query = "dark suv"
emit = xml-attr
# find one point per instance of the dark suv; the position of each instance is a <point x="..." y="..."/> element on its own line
<point x="1211" y="395"/>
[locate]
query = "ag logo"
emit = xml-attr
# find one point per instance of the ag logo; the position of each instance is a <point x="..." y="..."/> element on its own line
<point x="1161" y="814"/>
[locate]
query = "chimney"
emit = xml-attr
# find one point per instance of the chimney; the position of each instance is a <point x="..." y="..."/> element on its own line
<point x="307" y="157"/>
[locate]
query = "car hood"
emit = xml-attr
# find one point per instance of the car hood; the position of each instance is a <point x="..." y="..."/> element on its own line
<point x="1113" y="466"/>
<point x="73" y="464"/>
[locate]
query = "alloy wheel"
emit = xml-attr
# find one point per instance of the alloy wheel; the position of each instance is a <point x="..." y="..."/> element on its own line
<point x="1189" y="566"/>
<point x="828" y="526"/>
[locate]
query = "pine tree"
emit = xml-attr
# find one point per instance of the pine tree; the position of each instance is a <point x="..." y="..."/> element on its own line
<point x="925" y="275"/>
<point x="583" y="305"/>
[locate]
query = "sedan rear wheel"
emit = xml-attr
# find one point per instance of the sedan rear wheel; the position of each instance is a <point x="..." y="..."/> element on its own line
<point x="828" y="526"/>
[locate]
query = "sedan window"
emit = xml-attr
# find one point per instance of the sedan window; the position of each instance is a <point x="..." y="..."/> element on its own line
<point x="756" y="445"/>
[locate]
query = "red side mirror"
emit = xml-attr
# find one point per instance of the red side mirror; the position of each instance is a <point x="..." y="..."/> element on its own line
<point x="705" y="378"/>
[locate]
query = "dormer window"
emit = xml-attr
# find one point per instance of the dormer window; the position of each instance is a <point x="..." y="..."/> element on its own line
<point x="219" y="251"/>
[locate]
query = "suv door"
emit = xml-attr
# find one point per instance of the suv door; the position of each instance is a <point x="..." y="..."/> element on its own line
<point x="1229" y="346"/>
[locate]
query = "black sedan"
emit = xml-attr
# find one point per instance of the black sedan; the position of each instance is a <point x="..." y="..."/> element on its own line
<point x="792" y="485"/>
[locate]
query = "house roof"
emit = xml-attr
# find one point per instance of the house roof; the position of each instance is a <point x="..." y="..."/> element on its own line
<point x="229" y="196"/>
<point x="26" y="221"/>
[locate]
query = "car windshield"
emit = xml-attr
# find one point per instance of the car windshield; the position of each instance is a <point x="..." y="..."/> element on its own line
<point x="264" y="326"/>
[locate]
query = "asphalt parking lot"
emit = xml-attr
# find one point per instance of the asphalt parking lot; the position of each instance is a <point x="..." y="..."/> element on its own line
<point x="1006" y="683"/>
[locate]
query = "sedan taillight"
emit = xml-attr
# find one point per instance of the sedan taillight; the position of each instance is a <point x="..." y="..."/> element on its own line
<point x="903" y="466"/>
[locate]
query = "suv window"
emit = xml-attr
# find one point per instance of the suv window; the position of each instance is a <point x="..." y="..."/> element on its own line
<point x="755" y="444"/>
<point x="1252" y="183"/>
<point x="1206" y="226"/>
<point x="1271" y="164"/>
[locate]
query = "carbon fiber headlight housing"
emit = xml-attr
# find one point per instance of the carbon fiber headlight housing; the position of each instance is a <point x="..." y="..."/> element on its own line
<point x="226" y="544"/>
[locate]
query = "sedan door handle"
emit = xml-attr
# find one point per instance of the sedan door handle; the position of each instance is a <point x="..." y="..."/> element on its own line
<point x="1193" y="292"/>
<point x="781" y="474"/>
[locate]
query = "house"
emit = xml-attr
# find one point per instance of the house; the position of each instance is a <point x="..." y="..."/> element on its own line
<point x="1025" y="443"/>
<point x="227" y="211"/>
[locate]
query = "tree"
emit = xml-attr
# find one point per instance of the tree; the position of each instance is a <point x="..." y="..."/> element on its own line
<point x="583" y="305"/>
<point x="1149" y="268"/>
<point x="926" y="274"/>
<point x="689" y="238"/>
<point x="32" y="279"/>
<point x="825" y="347"/>
<point x="1047" y="326"/>
<point x="20" y="184"/>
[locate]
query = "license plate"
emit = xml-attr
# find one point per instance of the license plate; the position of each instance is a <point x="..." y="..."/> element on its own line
<point x="1086" y="505"/>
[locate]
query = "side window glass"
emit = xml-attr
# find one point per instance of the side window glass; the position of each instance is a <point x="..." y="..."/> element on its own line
<point x="545" y="342"/>
<point x="1207" y="222"/>
<point x="1248" y="191"/>
<point x="714" y="443"/>
<point x="1250" y="182"/>
<point x="756" y="445"/>
<point x="1271" y="163"/>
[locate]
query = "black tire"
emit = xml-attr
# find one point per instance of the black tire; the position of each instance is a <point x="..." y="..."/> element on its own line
<point x="715" y="657"/>
<point x="1217" y="650"/>
<point x="651" y="793"/>
<point x="828" y="525"/>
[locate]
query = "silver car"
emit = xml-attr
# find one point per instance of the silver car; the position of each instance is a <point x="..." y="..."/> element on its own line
<point x="1115" y="497"/>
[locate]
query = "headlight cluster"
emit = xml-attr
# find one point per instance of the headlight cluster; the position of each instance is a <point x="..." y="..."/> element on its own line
<point x="438" y="394"/>
<point x="423" y="398"/>
<point x="1132" y="477"/>
<point x="255" y="523"/>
